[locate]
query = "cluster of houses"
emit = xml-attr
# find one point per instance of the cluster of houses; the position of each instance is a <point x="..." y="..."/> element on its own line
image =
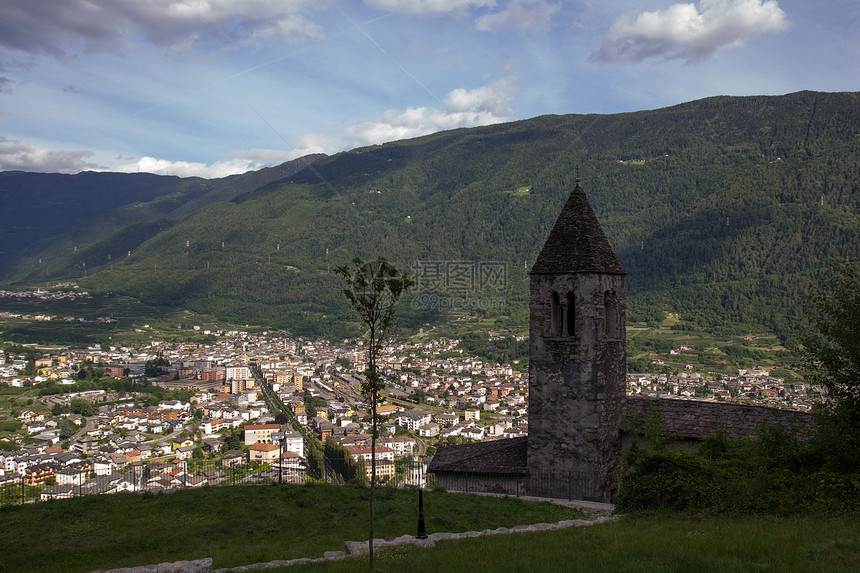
<point x="456" y="383"/>
<point x="750" y="386"/>
<point x="436" y="393"/>
<point x="69" y="474"/>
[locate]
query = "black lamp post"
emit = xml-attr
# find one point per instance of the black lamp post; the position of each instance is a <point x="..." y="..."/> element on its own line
<point x="422" y="532"/>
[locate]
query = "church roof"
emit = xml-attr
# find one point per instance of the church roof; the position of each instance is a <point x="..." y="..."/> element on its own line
<point x="506" y="456"/>
<point x="576" y="243"/>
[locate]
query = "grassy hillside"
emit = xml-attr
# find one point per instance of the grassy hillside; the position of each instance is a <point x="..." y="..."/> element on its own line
<point x="650" y="544"/>
<point x="722" y="210"/>
<point x="254" y="524"/>
<point x="235" y="525"/>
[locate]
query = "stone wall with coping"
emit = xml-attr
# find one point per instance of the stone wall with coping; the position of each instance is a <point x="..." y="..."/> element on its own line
<point x="697" y="419"/>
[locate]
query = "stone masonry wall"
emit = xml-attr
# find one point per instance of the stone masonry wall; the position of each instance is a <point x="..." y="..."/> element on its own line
<point x="576" y="381"/>
<point x="696" y="419"/>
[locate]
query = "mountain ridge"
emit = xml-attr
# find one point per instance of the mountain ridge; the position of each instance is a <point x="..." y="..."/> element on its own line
<point x="49" y="226"/>
<point x="723" y="210"/>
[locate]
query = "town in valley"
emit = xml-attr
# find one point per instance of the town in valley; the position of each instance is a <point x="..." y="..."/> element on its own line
<point x="194" y="413"/>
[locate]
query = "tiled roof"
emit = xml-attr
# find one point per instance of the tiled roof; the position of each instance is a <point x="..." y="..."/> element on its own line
<point x="262" y="447"/>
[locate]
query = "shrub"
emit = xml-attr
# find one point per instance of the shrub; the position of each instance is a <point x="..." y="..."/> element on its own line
<point x="668" y="479"/>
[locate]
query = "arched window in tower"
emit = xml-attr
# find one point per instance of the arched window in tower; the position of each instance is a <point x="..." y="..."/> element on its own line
<point x="570" y="316"/>
<point x="557" y="315"/>
<point x="610" y="306"/>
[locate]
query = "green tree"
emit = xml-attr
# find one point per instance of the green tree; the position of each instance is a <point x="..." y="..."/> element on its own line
<point x="83" y="407"/>
<point x="312" y="404"/>
<point x="315" y="460"/>
<point x="832" y="353"/>
<point x="373" y="290"/>
<point x="154" y="368"/>
<point x="59" y="409"/>
<point x="30" y="369"/>
<point x="234" y="440"/>
<point x="832" y="359"/>
<point x="66" y="430"/>
<point x="343" y="463"/>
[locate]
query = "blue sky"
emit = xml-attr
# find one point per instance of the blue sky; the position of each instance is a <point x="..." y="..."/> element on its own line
<point x="216" y="87"/>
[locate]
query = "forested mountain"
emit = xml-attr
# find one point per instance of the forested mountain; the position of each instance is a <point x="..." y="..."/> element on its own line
<point x="56" y="223"/>
<point x="723" y="210"/>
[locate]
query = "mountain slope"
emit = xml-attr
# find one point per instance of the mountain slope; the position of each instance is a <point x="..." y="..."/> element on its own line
<point x="60" y="223"/>
<point x="722" y="209"/>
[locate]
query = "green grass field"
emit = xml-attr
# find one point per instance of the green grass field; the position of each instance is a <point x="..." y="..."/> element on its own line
<point x="666" y="543"/>
<point x="239" y="526"/>
<point x="130" y="315"/>
<point x="235" y="525"/>
<point x="708" y="353"/>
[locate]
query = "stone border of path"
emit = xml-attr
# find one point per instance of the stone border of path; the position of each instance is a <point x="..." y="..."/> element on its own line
<point x="356" y="548"/>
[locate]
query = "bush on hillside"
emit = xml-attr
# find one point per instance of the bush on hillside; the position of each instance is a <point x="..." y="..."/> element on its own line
<point x="771" y="473"/>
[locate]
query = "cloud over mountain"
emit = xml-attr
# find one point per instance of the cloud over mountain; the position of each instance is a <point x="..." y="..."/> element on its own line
<point x="15" y="155"/>
<point x="683" y="31"/>
<point x="238" y="162"/>
<point x="462" y="108"/>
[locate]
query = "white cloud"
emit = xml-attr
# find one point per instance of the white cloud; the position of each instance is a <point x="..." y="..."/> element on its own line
<point x="187" y="168"/>
<point x="428" y="6"/>
<point x="72" y="27"/>
<point x="290" y="28"/>
<point x="530" y="15"/>
<point x="682" y="31"/>
<point x="311" y="143"/>
<point x="15" y="155"/>
<point x="239" y="161"/>
<point x="45" y="27"/>
<point x="463" y="108"/>
<point x="179" y="23"/>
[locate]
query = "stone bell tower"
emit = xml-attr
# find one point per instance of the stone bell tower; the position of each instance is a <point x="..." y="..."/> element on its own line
<point x="577" y="361"/>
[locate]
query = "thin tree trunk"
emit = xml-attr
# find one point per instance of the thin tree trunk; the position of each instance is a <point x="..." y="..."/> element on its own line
<point x="373" y="400"/>
<point x="372" y="481"/>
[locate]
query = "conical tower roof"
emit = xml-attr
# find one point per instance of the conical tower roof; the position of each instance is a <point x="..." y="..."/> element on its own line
<point x="576" y="243"/>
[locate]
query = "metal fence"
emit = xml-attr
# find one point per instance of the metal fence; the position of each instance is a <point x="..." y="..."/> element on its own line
<point x="190" y="474"/>
<point x="547" y="483"/>
<point x="399" y="472"/>
<point x="178" y="475"/>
